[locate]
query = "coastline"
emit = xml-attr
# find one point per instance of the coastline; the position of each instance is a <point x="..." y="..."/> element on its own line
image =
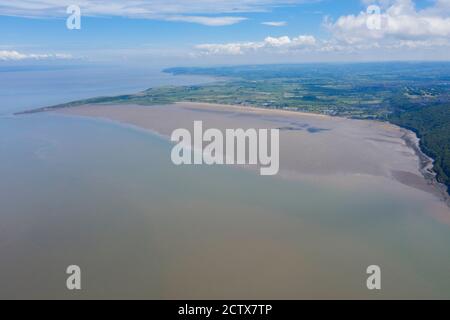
<point x="425" y="165"/>
<point x="392" y="137"/>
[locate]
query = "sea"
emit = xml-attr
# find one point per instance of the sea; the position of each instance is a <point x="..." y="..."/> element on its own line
<point x="106" y="198"/>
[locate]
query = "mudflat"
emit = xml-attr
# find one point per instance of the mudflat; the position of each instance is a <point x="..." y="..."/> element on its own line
<point x="311" y="146"/>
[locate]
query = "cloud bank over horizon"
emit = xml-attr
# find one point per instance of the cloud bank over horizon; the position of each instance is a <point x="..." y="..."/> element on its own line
<point x="205" y="12"/>
<point x="273" y="31"/>
<point x="12" y="55"/>
<point x="399" y="25"/>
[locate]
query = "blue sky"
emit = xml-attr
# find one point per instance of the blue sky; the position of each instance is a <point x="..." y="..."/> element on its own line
<point x="224" y="32"/>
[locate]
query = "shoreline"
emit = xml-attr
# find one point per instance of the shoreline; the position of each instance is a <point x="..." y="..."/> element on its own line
<point x="425" y="165"/>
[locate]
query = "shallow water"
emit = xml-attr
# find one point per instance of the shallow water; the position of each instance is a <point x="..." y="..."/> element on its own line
<point x="106" y="198"/>
<point x="27" y="88"/>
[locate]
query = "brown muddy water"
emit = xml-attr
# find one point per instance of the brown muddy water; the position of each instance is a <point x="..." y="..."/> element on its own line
<point x="106" y="197"/>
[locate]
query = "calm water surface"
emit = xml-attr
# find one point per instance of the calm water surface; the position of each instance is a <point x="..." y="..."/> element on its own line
<point x="106" y="197"/>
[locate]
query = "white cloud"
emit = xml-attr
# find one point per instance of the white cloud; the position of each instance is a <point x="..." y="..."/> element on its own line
<point x="208" y="21"/>
<point x="206" y="12"/>
<point x="11" y="55"/>
<point x="271" y="44"/>
<point x="399" y="21"/>
<point x="277" y="42"/>
<point x="402" y="26"/>
<point x="274" y="23"/>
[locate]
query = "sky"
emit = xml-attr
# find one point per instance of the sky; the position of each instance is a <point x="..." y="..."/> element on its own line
<point x="204" y="32"/>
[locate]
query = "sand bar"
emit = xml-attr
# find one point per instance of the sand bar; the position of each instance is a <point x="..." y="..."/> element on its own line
<point x="311" y="145"/>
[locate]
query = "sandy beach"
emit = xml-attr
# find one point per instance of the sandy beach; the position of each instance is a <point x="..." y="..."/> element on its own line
<point x="311" y="145"/>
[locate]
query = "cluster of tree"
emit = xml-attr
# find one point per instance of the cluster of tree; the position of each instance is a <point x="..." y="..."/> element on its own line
<point x="432" y="125"/>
